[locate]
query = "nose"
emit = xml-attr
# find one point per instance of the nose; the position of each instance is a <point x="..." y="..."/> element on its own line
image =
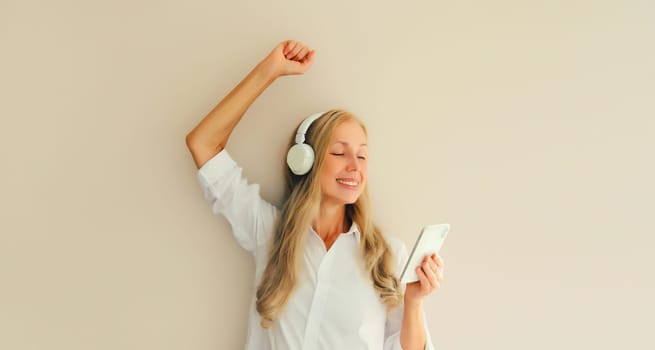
<point x="353" y="163"/>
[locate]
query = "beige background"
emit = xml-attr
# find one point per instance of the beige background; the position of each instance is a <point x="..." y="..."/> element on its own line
<point x="527" y="125"/>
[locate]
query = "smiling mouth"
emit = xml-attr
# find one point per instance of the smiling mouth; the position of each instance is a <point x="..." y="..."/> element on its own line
<point x="348" y="183"/>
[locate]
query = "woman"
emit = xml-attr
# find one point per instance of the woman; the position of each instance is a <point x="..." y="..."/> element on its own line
<point x="326" y="277"/>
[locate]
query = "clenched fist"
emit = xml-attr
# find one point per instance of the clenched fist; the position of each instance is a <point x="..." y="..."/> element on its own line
<point x="288" y="58"/>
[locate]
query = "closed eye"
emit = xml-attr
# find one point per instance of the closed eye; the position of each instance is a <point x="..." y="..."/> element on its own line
<point x="340" y="154"/>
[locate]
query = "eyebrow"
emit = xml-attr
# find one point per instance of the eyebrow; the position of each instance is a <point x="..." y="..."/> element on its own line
<point x="346" y="143"/>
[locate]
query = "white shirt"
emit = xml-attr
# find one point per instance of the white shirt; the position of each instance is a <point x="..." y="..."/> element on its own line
<point x="334" y="305"/>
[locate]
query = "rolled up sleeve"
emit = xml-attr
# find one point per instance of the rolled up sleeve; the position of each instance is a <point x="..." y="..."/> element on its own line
<point x="230" y="195"/>
<point x="395" y="318"/>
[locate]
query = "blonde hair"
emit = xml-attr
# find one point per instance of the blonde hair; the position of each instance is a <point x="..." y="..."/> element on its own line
<point x="303" y="196"/>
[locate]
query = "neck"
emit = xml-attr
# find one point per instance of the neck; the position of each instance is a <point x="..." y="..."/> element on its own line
<point x="331" y="220"/>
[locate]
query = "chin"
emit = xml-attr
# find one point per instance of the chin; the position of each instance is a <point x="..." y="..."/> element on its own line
<point x="345" y="200"/>
<point x="340" y="197"/>
<point x="351" y="200"/>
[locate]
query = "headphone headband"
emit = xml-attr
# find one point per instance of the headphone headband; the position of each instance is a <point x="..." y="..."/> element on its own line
<point x="300" y="157"/>
<point x="302" y="129"/>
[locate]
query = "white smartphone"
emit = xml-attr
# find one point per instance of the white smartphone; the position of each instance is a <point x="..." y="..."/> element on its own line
<point x="429" y="242"/>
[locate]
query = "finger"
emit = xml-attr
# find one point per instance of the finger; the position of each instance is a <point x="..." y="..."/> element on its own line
<point x="301" y="54"/>
<point x="435" y="265"/>
<point x="438" y="272"/>
<point x="309" y="57"/>
<point x="432" y="266"/>
<point x="293" y="49"/>
<point x="308" y="60"/>
<point x="432" y="277"/>
<point x="437" y="260"/>
<point x="424" y="279"/>
<point x="296" y="49"/>
<point x="288" y="46"/>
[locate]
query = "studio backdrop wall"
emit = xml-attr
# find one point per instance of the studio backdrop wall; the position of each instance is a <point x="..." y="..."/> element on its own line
<point x="526" y="125"/>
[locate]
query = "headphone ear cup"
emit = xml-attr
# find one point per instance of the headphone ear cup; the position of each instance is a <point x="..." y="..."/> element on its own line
<point x="300" y="158"/>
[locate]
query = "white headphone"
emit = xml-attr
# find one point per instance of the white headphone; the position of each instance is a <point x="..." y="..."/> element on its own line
<point x="300" y="157"/>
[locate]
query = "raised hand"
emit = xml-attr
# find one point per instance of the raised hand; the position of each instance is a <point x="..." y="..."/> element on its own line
<point x="289" y="57"/>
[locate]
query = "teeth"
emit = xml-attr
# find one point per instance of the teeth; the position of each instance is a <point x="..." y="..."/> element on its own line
<point x="349" y="183"/>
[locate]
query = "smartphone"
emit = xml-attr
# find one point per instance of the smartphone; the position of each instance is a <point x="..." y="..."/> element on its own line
<point x="429" y="242"/>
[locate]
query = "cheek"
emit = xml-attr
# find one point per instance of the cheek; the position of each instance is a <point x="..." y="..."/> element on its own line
<point x="330" y="167"/>
<point x="327" y="173"/>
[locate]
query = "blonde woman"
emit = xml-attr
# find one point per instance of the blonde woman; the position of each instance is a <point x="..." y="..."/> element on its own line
<point x="326" y="277"/>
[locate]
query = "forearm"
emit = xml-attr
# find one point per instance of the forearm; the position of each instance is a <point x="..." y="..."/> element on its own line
<point x="209" y="137"/>
<point x="412" y="333"/>
<point x="215" y="129"/>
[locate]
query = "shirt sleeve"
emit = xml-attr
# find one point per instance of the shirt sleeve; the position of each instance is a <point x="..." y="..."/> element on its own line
<point x="229" y="194"/>
<point x="395" y="318"/>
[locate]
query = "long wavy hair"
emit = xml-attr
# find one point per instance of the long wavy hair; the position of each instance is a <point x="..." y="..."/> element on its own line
<point x="301" y="207"/>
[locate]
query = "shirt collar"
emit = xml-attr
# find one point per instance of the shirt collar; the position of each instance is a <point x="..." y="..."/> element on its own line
<point x="354" y="229"/>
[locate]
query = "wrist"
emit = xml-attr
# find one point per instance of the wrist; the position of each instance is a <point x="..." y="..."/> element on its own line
<point x="266" y="70"/>
<point x="413" y="303"/>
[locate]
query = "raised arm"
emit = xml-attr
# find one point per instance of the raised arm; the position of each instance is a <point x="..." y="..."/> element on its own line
<point x="209" y="137"/>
